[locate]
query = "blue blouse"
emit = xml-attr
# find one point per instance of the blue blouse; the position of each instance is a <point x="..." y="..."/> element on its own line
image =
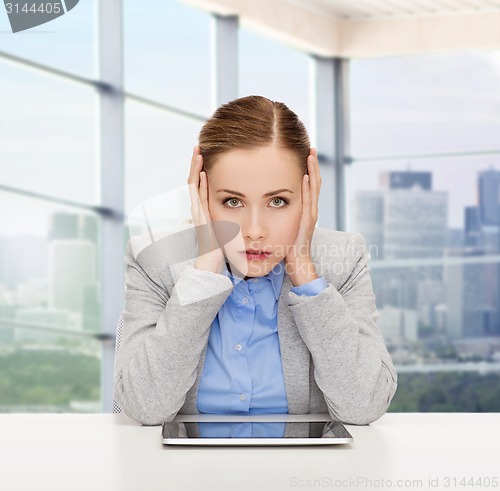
<point x="242" y="373"/>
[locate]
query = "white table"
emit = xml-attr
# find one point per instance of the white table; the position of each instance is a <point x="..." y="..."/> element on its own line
<point x="110" y="452"/>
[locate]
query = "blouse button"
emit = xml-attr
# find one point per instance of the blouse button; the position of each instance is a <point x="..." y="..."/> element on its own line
<point x="245" y="300"/>
<point x="238" y="347"/>
<point x="242" y="397"/>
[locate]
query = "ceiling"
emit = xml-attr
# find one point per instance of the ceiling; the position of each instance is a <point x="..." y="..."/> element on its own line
<point x="380" y="9"/>
<point x="368" y="28"/>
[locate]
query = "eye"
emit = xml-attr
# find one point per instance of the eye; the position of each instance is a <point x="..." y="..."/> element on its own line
<point x="230" y="199"/>
<point x="279" y="199"/>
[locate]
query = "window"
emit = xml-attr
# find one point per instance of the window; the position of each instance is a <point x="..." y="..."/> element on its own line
<point x="158" y="149"/>
<point x="49" y="306"/>
<point x="431" y="221"/>
<point x="52" y="343"/>
<point x="275" y="71"/>
<point x="167" y="54"/>
<point x="65" y="43"/>
<point x="48" y="140"/>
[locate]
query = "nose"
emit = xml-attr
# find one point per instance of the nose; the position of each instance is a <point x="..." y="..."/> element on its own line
<point x="253" y="227"/>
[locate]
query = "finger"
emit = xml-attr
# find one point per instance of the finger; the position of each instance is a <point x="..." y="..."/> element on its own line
<point x="317" y="167"/>
<point x="318" y="188"/>
<point x="193" y="172"/>
<point x="310" y="204"/>
<point x="197" y="206"/>
<point x="194" y="184"/>
<point x="314" y="176"/>
<point x="197" y="167"/>
<point x="313" y="171"/>
<point x="204" y="192"/>
<point x="306" y="196"/>
<point x="211" y="236"/>
<point x="195" y="201"/>
<point x="195" y="179"/>
<point x="206" y="210"/>
<point x="191" y="167"/>
<point x="305" y="219"/>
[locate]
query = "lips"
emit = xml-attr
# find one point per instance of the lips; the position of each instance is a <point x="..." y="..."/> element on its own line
<point x="253" y="251"/>
<point x="256" y="255"/>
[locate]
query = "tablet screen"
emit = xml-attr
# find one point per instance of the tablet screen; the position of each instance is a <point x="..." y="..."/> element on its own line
<point x="251" y="430"/>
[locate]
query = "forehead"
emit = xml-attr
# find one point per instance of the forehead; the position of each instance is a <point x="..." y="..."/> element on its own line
<point x="268" y="160"/>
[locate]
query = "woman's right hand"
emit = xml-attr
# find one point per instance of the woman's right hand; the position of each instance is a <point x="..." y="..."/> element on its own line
<point x="210" y="255"/>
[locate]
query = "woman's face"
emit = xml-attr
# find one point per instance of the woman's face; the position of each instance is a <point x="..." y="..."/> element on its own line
<point x="260" y="191"/>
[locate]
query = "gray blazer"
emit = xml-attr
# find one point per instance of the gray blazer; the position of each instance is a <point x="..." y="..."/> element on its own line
<point x="333" y="355"/>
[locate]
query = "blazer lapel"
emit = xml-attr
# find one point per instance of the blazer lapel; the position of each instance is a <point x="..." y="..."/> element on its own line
<point x="295" y="355"/>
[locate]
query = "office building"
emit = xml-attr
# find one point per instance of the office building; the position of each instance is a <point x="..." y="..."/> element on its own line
<point x="71" y="268"/>
<point x="406" y="180"/>
<point x="64" y="225"/>
<point x="410" y="224"/>
<point x="398" y="325"/>
<point x="472" y="286"/>
<point x="472" y="228"/>
<point x="415" y="223"/>
<point x="489" y="196"/>
<point x="369" y="218"/>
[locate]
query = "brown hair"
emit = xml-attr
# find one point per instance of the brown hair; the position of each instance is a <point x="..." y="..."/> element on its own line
<point x="249" y="122"/>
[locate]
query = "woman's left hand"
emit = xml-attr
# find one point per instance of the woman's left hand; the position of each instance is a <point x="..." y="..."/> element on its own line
<point x="298" y="263"/>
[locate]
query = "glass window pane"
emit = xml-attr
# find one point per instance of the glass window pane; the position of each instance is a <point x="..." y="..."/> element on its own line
<point x="49" y="306"/>
<point x="65" y="43"/>
<point x="158" y="148"/>
<point x="275" y="71"/>
<point x="167" y="54"/>
<point x="433" y="232"/>
<point x="49" y="270"/>
<point x="419" y="105"/>
<point x="48" y="137"/>
<point x="457" y="176"/>
<point x="465" y="391"/>
<point x="47" y="372"/>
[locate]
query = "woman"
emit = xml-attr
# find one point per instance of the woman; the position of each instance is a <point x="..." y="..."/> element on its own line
<point x="269" y="314"/>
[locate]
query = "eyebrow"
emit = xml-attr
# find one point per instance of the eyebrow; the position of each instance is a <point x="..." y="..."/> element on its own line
<point x="272" y="193"/>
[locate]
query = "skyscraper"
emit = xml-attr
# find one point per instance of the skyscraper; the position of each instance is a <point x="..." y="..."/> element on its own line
<point x="489" y="196"/>
<point x="415" y="223"/>
<point x="66" y="225"/>
<point x="369" y="219"/>
<point x="71" y="269"/>
<point x="410" y="222"/>
<point x="406" y="180"/>
<point x="472" y="226"/>
<point x="471" y="295"/>
<point x="474" y="285"/>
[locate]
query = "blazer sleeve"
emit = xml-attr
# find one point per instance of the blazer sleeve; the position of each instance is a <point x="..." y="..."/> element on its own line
<point x="163" y="337"/>
<point x="352" y="366"/>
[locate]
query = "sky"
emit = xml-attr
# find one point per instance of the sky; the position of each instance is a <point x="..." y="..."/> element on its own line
<point x="398" y="106"/>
